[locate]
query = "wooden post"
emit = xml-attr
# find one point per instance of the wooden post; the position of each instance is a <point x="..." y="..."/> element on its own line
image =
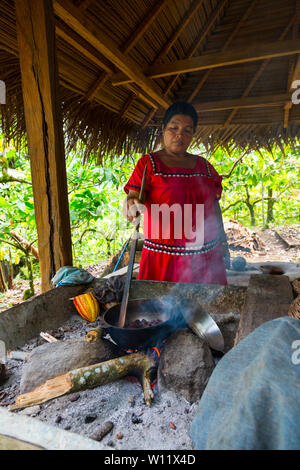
<point x="37" y="51"/>
<point x="268" y="296"/>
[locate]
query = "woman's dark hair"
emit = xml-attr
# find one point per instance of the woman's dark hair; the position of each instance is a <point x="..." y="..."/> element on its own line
<point x="181" y="107"/>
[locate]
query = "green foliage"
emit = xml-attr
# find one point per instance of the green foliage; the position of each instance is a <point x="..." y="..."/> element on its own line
<point x="96" y="196"/>
<point x="258" y="179"/>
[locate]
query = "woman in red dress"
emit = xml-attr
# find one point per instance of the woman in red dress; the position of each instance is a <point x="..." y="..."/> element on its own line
<point x="184" y="235"/>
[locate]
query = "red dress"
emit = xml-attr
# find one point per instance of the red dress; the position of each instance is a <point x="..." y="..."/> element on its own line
<point x="181" y="245"/>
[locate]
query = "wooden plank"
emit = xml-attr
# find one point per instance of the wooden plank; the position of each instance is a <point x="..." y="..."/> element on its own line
<point x="66" y="11"/>
<point x="252" y="53"/>
<point x="268" y="297"/>
<point x="249" y="102"/>
<point x="37" y="50"/>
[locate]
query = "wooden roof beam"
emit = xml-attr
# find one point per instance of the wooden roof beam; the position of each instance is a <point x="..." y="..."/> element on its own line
<point x="184" y="22"/>
<point x="259" y="71"/>
<point x="252" y="53"/>
<point x="164" y="51"/>
<point x="195" y="6"/>
<point x="76" y="20"/>
<point x="144" y="25"/>
<point x="241" y="103"/>
<point x="180" y="28"/>
<point x="83" y="4"/>
<point x="131" y="42"/>
<point x="296" y="74"/>
<point x="225" y="46"/>
<point x="126" y="105"/>
<point x="82" y="46"/>
<point x="143" y="96"/>
<point x="211" y="22"/>
<point x="293" y="71"/>
<point x="97" y="85"/>
<point x="127" y="46"/>
<point x="249" y="102"/>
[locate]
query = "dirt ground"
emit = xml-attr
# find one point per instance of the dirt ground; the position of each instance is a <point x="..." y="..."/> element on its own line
<point x="280" y="244"/>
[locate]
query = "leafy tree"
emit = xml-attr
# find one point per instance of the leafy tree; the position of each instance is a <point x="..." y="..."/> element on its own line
<point x="259" y="188"/>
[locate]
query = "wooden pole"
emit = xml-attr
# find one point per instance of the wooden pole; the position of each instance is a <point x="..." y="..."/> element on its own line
<point x="38" y="63"/>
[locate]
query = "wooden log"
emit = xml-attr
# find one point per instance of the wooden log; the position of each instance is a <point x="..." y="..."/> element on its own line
<point x="138" y="364"/>
<point x="39" y="73"/>
<point x="94" y="335"/>
<point x="268" y="297"/>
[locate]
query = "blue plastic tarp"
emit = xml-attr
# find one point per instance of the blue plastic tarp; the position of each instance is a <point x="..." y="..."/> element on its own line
<point x="252" y="400"/>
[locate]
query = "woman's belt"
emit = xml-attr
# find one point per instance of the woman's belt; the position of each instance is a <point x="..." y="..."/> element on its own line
<point x="179" y="249"/>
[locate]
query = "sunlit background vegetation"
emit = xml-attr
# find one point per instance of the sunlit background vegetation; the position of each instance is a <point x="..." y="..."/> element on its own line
<point x="260" y="189"/>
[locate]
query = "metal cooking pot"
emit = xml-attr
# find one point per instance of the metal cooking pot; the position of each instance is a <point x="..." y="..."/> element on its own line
<point x="148" y="309"/>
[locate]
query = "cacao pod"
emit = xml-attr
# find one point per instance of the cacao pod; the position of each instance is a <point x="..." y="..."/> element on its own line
<point x="87" y="306"/>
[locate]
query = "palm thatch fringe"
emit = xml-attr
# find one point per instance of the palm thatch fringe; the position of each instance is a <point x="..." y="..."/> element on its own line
<point x="102" y="132"/>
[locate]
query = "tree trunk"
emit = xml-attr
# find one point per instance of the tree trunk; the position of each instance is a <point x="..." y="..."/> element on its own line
<point x="250" y="207"/>
<point x="252" y="213"/>
<point x="263" y="205"/>
<point x="270" y="215"/>
<point x="2" y="280"/>
<point x="10" y="272"/>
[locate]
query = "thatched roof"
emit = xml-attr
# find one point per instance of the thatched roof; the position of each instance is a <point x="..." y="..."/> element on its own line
<point x="121" y="62"/>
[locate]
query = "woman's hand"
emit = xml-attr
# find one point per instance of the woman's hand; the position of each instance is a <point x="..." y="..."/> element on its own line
<point x="133" y="207"/>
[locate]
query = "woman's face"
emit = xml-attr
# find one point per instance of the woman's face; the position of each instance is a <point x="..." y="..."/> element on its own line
<point x="178" y="133"/>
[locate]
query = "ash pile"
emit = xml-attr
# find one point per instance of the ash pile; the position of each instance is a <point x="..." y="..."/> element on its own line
<point x="128" y="399"/>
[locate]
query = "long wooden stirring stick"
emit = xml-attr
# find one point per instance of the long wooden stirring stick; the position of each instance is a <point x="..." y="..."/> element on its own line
<point x="124" y="303"/>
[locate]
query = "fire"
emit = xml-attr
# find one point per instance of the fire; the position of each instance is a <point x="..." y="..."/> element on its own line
<point x="157" y="350"/>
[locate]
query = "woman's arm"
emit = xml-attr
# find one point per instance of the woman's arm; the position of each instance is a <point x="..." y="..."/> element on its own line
<point x="132" y="206"/>
<point x="222" y="234"/>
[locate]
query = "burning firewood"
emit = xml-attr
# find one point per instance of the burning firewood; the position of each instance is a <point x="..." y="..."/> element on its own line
<point x="47" y="337"/>
<point x="138" y="364"/>
<point x="94" y="334"/>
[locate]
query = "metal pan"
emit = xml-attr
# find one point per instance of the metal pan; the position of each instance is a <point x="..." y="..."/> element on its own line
<point x="148" y="309"/>
<point x="202" y="324"/>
